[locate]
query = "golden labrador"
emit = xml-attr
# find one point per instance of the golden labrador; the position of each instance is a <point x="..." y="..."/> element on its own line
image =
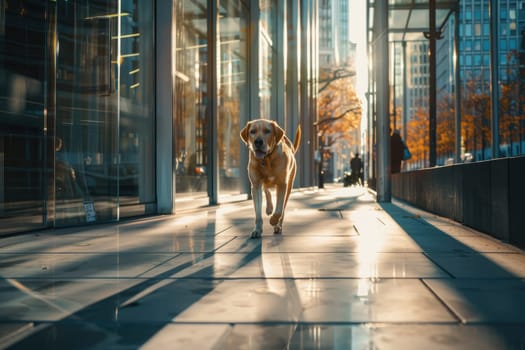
<point x="271" y="165"/>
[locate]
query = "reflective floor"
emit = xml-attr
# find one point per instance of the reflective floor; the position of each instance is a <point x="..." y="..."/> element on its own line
<point x="347" y="273"/>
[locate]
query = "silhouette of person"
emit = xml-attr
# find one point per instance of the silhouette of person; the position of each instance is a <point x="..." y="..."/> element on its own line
<point x="356" y="164"/>
<point x="396" y="152"/>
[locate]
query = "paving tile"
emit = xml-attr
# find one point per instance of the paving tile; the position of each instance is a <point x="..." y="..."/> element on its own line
<point x="314" y="265"/>
<point x="317" y="300"/>
<point x="146" y="243"/>
<point x="52" y="300"/>
<point x="82" y="265"/>
<point x="495" y="301"/>
<point x="385" y="337"/>
<point x="190" y="336"/>
<point x="476" y="265"/>
<point x="365" y="300"/>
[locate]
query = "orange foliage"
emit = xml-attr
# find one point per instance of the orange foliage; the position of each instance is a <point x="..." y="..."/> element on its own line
<point x="417" y="131"/>
<point x="446" y="127"/>
<point x="339" y="109"/>
<point x="475" y="118"/>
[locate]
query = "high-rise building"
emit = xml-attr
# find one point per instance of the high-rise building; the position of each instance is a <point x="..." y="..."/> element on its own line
<point x="477" y="54"/>
<point x="335" y="47"/>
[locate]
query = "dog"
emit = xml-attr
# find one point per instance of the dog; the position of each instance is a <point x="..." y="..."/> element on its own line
<point x="271" y="164"/>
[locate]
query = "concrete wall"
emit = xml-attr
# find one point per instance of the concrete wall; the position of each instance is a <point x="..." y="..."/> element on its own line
<point x="488" y="196"/>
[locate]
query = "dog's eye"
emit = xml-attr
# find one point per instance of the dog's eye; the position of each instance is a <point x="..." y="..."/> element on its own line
<point x="253" y="131"/>
<point x="267" y="131"/>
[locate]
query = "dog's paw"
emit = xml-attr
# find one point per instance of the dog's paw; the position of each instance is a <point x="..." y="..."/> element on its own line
<point x="277" y="230"/>
<point x="269" y="209"/>
<point x="274" y="220"/>
<point x="256" y="233"/>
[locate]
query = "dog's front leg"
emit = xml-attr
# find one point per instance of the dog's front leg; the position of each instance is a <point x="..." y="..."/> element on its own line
<point x="269" y="204"/>
<point x="277" y="218"/>
<point x="257" y="204"/>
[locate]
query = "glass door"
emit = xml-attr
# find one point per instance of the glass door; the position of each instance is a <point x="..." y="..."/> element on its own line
<point x="233" y="94"/>
<point x="105" y="142"/>
<point x="191" y="103"/>
<point x="25" y="162"/>
<point x="87" y="113"/>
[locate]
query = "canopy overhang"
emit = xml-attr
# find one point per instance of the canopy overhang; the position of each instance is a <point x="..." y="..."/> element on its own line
<point x="408" y="20"/>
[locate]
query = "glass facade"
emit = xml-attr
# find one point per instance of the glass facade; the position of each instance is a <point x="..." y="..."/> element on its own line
<point x="266" y="47"/>
<point x="193" y="103"/>
<point x="232" y="92"/>
<point x="479" y="113"/>
<point x="92" y="92"/>
<point x="76" y="112"/>
<point x="191" y="99"/>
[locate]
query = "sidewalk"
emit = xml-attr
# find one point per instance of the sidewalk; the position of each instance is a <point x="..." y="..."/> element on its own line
<point x="347" y="273"/>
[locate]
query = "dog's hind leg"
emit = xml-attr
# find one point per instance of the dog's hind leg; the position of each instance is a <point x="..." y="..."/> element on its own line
<point x="277" y="218"/>
<point x="269" y="203"/>
<point x="257" y="204"/>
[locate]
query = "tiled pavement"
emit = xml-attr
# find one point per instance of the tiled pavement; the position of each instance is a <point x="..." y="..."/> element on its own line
<point x="347" y="273"/>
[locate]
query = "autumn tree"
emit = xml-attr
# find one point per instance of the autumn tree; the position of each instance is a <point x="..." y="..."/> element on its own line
<point x="339" y="108"/>
<point x="511" y="104"/>
<point x="446" y="127"/>
<point x="475" y="120"/>
<point x="417" y="128"/>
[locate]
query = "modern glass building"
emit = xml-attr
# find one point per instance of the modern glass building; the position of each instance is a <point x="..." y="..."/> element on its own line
<point x="470" y="92"/>
<point x="118" y="108"/>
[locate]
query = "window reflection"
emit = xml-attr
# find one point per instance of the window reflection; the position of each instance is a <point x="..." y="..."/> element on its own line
<point x="191" y="98"/>
<point x="76" y="119"/>
<point x="233" y="28"/>
<point x="105" y="108"/>
<point x="266" y="57"/>
<point x="23" y="146"/>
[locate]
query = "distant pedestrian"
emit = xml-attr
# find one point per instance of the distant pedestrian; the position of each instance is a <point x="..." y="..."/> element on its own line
<point x="396" y="152"/>
<point x="356" y="164"/>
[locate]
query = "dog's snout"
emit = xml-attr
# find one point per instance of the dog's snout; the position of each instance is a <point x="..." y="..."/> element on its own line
<point x="258" y="142"/>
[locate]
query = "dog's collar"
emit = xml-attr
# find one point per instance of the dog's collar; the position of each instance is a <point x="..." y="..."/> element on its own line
<point x="263" y="161"/>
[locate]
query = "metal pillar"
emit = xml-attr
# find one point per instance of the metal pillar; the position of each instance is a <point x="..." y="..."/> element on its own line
<point x="213" y="46"/>
<point x="432" y="35"/>
<point x="457" y="89"/>
<point x="165" y="57"/>
<point x="494" y="75"/>
<point x="405" y="92"/>
<point x="384" y="191"/>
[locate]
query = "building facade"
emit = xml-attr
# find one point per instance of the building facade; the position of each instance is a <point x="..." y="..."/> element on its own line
<point x="121" y="108"/>
<point x="484" y="83"/>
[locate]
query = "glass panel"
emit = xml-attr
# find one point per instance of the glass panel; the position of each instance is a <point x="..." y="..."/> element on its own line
<point x="265" y="58"/>
<point x="233" y="98"/>
<point x="191" y="101"/>
<point x="137" y="109"/>
<point x="86" y="168"/>
<point x="23" y="152"/>
<point x="105" y="129"/>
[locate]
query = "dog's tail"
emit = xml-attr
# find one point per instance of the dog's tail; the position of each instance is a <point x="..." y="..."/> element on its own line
<point x="297" y="140"/>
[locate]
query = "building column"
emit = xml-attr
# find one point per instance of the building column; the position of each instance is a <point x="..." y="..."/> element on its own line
<point x="212" y="171"/>
<point x="292" y="72"/>
<point x="432" y="35"/>
<point x="278" y="87"/>
<point x="457" y="87"/>
<point x="383" y="187"/>
<point x="494" y="75"/>
<point x="165" y="60"/>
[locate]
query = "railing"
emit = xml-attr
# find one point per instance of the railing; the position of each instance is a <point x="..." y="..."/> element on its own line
<point x="487" y="196"/>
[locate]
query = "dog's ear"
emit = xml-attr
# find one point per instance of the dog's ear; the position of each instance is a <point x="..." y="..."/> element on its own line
<point x="244" y="132"/>
<point x="278" y="132"/>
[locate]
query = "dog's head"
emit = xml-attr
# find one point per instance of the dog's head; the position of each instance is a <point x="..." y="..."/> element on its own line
<point x="261" y="136"/>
